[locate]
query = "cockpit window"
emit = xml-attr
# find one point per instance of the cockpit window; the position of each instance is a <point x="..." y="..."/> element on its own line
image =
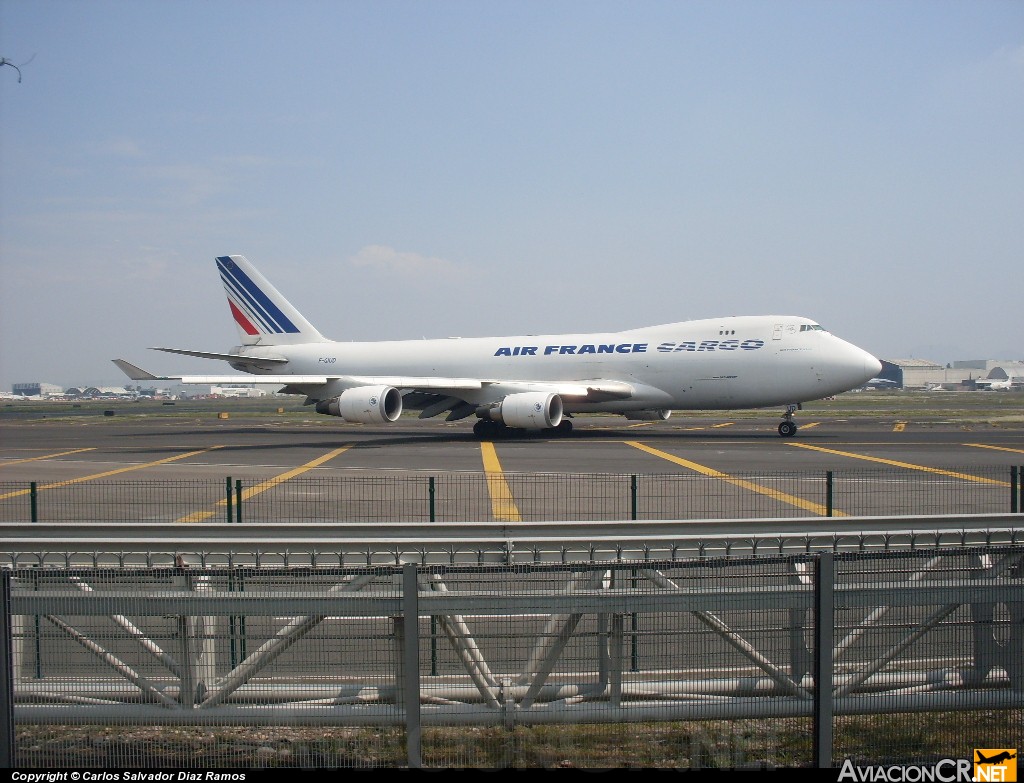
<point x="811" y="328"/>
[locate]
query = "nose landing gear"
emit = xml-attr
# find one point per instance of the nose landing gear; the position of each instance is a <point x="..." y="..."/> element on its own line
<point x="788" y="428"/>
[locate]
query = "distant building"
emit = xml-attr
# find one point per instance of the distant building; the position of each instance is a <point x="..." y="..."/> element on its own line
<point x="1006" y="371"/>
<point x="106" y="391"/>
<point x="237" y="390"/>
<point x="36" y="389"/>
<point x="920" y="373"/>
<point x="923" y="374"/>
<point x="155" y="393"/>
<point x="1006" y="375"/>
<point x="984" y="365"/>
<point x="891" y="376"/>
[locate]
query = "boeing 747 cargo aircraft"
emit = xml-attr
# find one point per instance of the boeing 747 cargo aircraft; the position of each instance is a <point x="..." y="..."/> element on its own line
<point x="531" y="382"/>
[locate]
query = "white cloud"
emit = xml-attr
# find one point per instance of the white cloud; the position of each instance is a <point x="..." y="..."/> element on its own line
<point x="121" y="147"/>
<point x="387" y="259"/>
<point x="1010" y="60"/>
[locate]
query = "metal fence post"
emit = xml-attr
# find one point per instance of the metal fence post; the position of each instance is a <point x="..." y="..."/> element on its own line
<point x="238" y="501"/>
<point x="828" y="493"/>
<point x="1014" y="501"/>
<point x="410" y="689"/>
<point x="431" y="490"/>
<point x="6" y="674"/>
<point x="227" y="491"/>
<point x="824" y="630"/>
<point x="1013" y="488"/>
<point x="33" y="493"/>
<point x="634" y="627"/>
<point x="632" y="497"/>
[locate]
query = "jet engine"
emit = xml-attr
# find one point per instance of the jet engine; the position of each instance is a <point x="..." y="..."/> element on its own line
<point x="365" y="404"/>
<point x="648" y="415"/>
<point x="527" y="410"/>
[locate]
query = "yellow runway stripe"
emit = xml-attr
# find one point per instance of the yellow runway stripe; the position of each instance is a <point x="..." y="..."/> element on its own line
<point x="907" y="465"/>
<point x="198" y="516"/>
<point x="80" y="479"/>
<point x="996" y="448"/>
<point x="503" y="506"/>
<point x="45" y="456"/>
<point x="256" y="489"/>
<point x="782" y="497"/>
<point x="899" y="426"/>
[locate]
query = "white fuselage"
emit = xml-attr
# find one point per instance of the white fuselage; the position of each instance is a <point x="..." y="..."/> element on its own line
<point x="722" y="363"/>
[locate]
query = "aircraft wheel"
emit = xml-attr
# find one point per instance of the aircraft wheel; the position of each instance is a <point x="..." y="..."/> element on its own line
<point x="485" y="429"/>
<point x="564" y="427"/>
<point x="787" y="429"/>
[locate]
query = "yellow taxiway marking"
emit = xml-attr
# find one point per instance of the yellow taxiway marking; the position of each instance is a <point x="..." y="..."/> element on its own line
<point x="627" y="426"/>
<point x="256" y="489"/>
<point x="899" y="426"/>
<point x="635" y="425"/>
<point x="45" y="456"/>
<point x="907" y="465"/>
<point x="503" y="506"/>
<point x="782" y="497"/>
<point x="106" y="473"/>
<point x="996" y="448"/>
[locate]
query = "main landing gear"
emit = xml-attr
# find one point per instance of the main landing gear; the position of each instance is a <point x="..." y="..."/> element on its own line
<point x="486" y="429"/>
<point x="788" y="428"/>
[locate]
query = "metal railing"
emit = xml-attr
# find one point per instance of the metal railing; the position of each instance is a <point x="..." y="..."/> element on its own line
<point x="765" y="661"/>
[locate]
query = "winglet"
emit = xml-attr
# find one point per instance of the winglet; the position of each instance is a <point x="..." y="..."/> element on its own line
<point x="133" y="372"/>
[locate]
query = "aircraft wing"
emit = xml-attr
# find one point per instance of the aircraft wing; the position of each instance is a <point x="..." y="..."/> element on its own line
<point x="586" y="389"/>
<point x="590" y="390"/>
<point x="136" y="373"/>
<point x="413" y="383"/>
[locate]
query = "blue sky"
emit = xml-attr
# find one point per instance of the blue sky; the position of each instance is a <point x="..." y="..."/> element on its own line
<point x="427" y="169"/>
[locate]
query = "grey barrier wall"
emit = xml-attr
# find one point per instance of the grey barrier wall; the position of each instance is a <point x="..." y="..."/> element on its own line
<point x="717" y="661"/>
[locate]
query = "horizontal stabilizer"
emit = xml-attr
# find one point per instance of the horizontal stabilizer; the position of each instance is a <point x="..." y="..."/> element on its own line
<point x="227" y="357"/>
<point x="135" y="373"/>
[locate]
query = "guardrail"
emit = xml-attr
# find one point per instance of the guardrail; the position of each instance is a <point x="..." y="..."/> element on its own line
<point x="337" y="544"/>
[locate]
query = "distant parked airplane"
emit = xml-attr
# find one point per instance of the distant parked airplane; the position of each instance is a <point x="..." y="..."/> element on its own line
<point x="531" y="382"/>
<point x="986" y="384"/>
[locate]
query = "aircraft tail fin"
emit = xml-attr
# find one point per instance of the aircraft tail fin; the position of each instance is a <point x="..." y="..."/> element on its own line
<point x="263" y="316"/>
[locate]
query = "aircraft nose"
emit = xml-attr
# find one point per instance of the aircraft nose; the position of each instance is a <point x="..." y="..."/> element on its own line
<point x="857" y="366"/>
<point x="872" y="366"/>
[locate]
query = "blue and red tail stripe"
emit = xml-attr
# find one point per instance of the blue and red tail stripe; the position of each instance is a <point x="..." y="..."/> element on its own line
<point x="241" y="320"/>
<point x="252" y="309"/>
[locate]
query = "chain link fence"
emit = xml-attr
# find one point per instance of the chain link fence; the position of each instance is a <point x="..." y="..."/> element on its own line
<point x="457" y="497"/>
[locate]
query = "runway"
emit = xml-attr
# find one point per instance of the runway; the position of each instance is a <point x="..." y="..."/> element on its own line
<point x="201" y="445"/>
<point x="661" y="627"/>
<point x="268" y="447"/>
